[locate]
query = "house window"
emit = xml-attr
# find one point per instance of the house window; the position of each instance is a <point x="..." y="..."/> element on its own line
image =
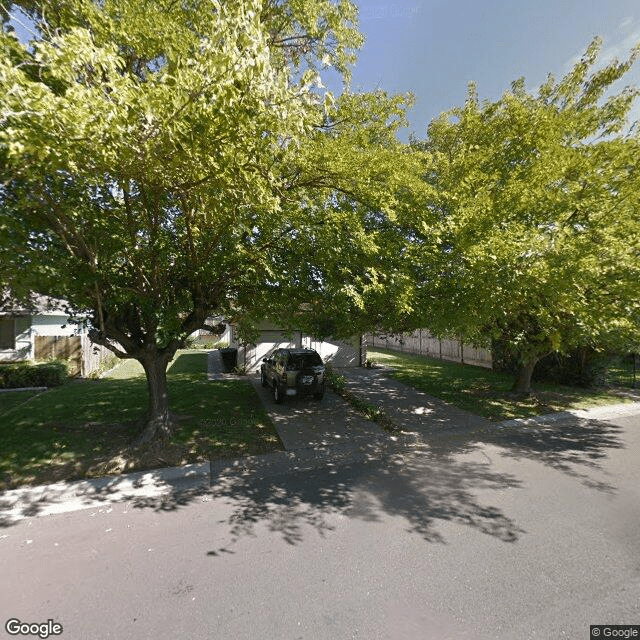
<point x="7" y="333"/>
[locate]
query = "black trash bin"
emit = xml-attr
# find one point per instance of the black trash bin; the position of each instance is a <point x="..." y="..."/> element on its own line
<point x="229" y="359"/>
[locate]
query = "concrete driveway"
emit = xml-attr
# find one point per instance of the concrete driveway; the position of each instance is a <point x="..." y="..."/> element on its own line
<point x="517" y="531"/>
<point x="532" y="536"/>
<point x="306" y="423"/>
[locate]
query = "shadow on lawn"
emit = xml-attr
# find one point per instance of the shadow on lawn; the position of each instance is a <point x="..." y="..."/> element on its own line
<point x="422" y="479"/>
<point x="428" y="486"/>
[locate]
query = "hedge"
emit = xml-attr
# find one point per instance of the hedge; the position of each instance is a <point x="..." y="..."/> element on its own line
<point x="24" y="374"/>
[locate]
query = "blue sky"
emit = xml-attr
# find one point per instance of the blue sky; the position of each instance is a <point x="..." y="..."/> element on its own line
<point x="433" y="48"/>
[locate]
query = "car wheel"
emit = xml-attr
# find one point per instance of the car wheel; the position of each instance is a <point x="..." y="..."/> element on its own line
<point x="263" y="380"/>
<point x="318" y="396"/>
<point x="278" y="395"/>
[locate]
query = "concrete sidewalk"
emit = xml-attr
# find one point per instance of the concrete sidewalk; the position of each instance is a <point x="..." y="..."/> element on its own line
<point x="412" y="410"/>
<point x="425" y="417"/>
<point x="324" y="434"/>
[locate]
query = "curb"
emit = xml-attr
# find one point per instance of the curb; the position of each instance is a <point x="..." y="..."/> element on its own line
<point x="301" y="460"/>
<point x="604" y="412"/>
<point x="63" y="497"/>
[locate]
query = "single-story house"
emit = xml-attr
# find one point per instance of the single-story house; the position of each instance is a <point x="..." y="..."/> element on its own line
<point x="340" y="353"/>
<point x="21" y="324"/>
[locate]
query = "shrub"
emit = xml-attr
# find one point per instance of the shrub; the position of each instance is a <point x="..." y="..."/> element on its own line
<point x="335" y="381"/>
<point x="204" y="342"/>
<point x="584" y="367"/>
<point x="24" y="374"/>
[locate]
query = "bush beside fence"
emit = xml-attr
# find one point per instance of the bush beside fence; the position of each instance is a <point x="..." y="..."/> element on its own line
<point x="26" y="374"/>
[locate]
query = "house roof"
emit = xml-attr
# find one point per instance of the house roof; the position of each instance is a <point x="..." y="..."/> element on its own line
<point x="36" y="304"/>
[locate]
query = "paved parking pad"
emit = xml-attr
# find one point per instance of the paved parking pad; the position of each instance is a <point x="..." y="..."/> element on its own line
<point x="306" y="423"/>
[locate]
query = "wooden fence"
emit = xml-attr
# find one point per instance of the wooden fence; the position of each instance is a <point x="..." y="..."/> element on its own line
<point x="422" y="343"/>
<point x="82" y="355"/>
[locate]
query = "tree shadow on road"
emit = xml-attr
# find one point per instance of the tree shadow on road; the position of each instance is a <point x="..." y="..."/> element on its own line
<point x="429" y="485"/>
<point x="575" y="447"/>
<point x="423" y="489"/>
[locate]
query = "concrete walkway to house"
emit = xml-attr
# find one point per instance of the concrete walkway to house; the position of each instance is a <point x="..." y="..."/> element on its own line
<point x="413" y="411"/>
<point x="215" y="368"/>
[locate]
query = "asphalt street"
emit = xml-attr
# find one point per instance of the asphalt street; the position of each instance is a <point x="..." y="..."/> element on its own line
<point x="527" y="533"/>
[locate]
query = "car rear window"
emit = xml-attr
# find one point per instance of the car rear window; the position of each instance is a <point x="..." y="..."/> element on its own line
<point x="299" y="361"/>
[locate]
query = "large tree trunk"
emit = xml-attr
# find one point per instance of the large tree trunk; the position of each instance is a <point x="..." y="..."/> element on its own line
<point x="522" y="383"/>
<point x="159" y="423"/>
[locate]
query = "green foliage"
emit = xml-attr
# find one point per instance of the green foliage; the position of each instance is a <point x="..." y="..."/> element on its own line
<point x="26" y="374"/>
<point x="205" y="342"/>
<point x="338" y="383"/>
<point x="190" y="343"/>
<point x="171" y="161"/>
<point x="335" y="381"/>
<point x="105" y="365"/>
<point x="584" y="367"/>
<point x="624" y="371"/>
<point x="533" y="236"/>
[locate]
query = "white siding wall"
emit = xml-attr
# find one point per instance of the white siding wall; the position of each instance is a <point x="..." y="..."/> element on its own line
<point x="23" y="343"/>
<point x="42" y="324"/>
<point x="54" y="325"/>
<point x="339" y="352"/>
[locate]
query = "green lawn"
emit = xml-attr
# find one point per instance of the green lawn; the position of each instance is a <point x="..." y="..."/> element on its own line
<point x="485" y="392"/>
<point x="11" y="399"/>
<point x="621" y="373"/>
<point x="84" y="428"/>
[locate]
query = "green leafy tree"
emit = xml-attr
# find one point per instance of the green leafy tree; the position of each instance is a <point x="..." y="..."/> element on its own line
<point x="159" y="159"/>
<point x="532" y="237"/>
<point x="358" y="284"/>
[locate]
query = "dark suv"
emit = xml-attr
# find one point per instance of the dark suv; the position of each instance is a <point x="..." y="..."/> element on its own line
<point x="291" y="372"/>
